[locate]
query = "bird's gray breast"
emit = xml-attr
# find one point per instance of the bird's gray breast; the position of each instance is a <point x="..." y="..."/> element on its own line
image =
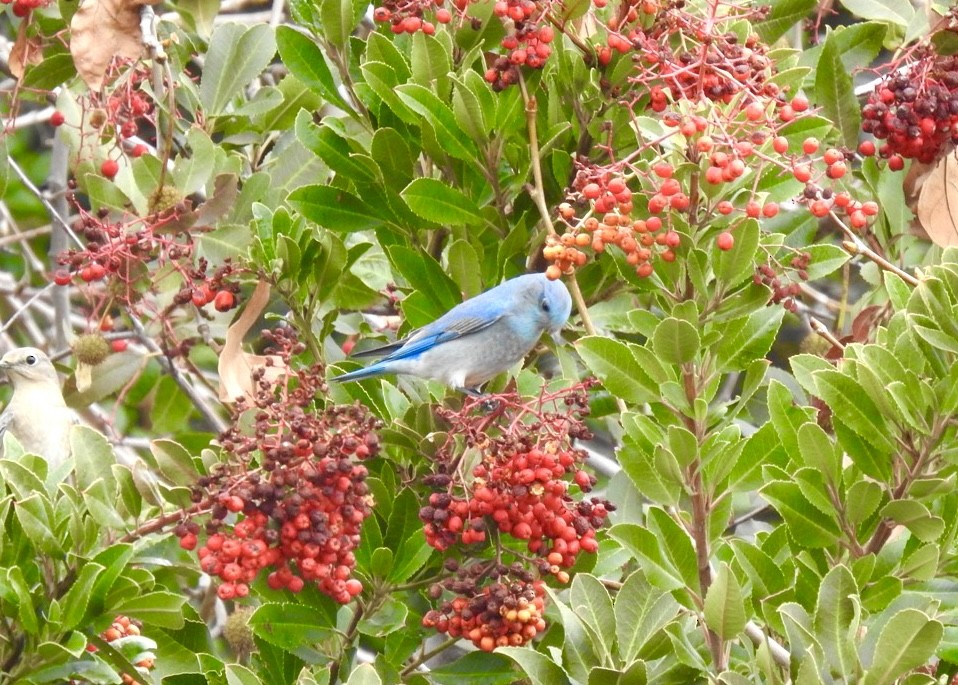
<point x="471" y="360"/>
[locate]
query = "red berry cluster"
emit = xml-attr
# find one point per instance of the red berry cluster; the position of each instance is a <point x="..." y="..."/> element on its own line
<point x="21" y="8"/>
<point x="301" y="508"/>
<point x="521" y="486"/>
<point x="717" y="70"/>
<point x="500" y="614"/>
<point x="784" y="288"/>
<point x="121" y="628"/>
<point x="119" y="112"/>
<point x="406" y="16"/>
<point x="527" y="41"/>
<point x="915" y="111"/>
<point x="128" y="253"/>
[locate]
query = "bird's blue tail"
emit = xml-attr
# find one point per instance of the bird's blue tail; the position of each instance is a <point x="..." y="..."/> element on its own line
<point x="359" y="374"/>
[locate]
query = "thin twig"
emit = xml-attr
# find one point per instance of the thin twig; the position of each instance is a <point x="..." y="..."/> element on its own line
<point x="821" y="329"/>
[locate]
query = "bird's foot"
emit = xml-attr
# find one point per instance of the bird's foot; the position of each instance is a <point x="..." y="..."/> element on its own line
<point x="488" y="404"/>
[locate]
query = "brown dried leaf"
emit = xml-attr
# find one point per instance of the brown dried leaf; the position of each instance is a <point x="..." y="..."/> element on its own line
<point x="236" y="366"/>
<point x="937" y="209"/>
<point x="26" y="51"/>
<point x="102" y="30"/>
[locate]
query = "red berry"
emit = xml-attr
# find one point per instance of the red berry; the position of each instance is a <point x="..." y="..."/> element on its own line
<point x="62" y="277"/>
<point x="381" y="14"/>
<point x="866" y="148"/>
<point x="663" y="170"/>
<point x="799" y="103"/>
<point x="443" y="16"/>
<point x="802" y="172"/>
<point x="97" y="271"/>
<point x="724" y="207"/>
<point x="224" y="301"/>
<point x="725" y="241"/>
<point x="753" y="209"/>
<point x="780" y="145"/>
<point x="819" y="208"/>
<point x="896" y="163"/>
<point x="858" y="219"/>
<point x="644" y="270"/>
<point x="109" y="168"/>
<point x="119" y="345"/>
<point x="770" y="210"/>
<point x="57" y="118"/>
<point x="836" y="170"/>
<point x="832" y="156"/>
<point x="226" y="591"/>
<point x="810" y="146"/>
<point x="754" y="111"/>
<point x="188" y="542"/>
<point x="139" y="150"/>
<point x="591" y="191"/>
<point x="870" y="208"/>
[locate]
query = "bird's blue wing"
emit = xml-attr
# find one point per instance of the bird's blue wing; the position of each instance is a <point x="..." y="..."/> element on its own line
<point x="432" y="335"/>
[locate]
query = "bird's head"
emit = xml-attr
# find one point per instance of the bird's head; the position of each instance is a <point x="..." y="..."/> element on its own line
<point x="555" y="305"/>
<point x="28" y="364"/>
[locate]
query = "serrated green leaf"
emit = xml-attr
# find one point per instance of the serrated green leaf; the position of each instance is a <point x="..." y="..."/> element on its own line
<point x="440" y="203"/>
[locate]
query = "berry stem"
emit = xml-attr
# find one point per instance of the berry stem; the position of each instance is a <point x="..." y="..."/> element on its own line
<point x="161" y="522"/>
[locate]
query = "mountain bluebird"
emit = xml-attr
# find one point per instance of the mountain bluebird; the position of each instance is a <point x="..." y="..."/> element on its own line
<point x="478" y="339"/>
<point x="37" y="416"/>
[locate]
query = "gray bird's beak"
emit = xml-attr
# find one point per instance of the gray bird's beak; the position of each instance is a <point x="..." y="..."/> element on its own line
<point x="557" y="337"/>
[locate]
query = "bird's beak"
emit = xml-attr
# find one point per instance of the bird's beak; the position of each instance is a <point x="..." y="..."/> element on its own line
<point x="557" y="336"/>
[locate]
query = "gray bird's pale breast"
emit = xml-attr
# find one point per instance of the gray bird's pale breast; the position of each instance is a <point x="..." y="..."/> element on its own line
<point x="469" y="361"/>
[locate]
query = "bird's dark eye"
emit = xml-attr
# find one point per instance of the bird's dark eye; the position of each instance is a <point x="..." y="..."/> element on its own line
<point x="545" y="306"/>
<point x="31" y="360"/>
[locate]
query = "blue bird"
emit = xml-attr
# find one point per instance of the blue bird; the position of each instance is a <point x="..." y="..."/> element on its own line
<point x="478" y="339"/>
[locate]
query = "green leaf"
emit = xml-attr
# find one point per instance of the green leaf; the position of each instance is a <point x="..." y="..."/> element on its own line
<point x="808" y="526"/>
<point x="835" y="622"/>
<point x="364" y="674"/>
<point x="898" y="12"/>
<point x="35" y="514"/>
<point x="427" y="104"/>
<point x="191" y="173"/>
<point x="819" y="452"/>
<point x="640" y="612"/>
<point x="732" y="266"/>
<point x="159" y="608"/>
<point x="25" y="609"/>
<point x="333" y="208"/>
<point x="290" y="626"/>
<point x="240" y="675"/>
<point x="93" y="457"/>
<point x="748" y="338"/>
<point x="907" y="641"/>
<point x="538" y="668"/>
<point x="475" y="668"/>
<point x="852" y="405"/>
<point x="675" y="341"/>
<point x="916" y="517"/>
<point x="463" y="262"/>
<point x="235" y="57"/>
<point x="77" y="598"/>
<point x="305" y="60"/>
<point x="835" y="92"/>
<point x="440" y="203"/>
<point x="825" y="260"/>
<point x="592" y="603"/>
<point x="175" y="462"/>
<point x="784" y="15"/>
<point x="430" y="64"/>
<point x="338" y="20"/>
<point x="724" y="605"/>
<point x="615" y="365"/>
<point x="579" y="648"/>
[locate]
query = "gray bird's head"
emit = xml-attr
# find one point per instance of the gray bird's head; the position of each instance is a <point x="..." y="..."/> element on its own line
<point x="28" y="364"/>
<point x="552" y="301"/>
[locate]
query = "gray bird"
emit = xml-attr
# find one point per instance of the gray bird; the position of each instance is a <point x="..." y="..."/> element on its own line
<point x="36" y="416"/>
<point x="478" y="339"/>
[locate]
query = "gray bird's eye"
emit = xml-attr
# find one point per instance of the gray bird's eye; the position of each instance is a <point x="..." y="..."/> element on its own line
<point x="31" y="360"/>
<point x="545" y="306"/>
